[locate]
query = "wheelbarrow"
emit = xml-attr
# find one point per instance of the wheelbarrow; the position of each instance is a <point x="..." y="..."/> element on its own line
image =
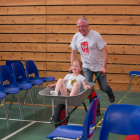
<point x="61" y="115"/>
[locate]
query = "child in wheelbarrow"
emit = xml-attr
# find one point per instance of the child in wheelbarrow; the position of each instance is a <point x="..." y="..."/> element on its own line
<point x="70" y="85"/>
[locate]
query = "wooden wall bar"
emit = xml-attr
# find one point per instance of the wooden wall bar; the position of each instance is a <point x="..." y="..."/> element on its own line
<point x="42" y="31"/>
<point x="70" y="19"/>
<point x="72" y="2"/>
<point x="69" y="10"/>
<point x="108" y="29"/>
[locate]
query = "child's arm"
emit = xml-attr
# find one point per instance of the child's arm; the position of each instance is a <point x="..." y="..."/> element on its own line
<point x="85" y="85"/>
<point x="51" y="85"/>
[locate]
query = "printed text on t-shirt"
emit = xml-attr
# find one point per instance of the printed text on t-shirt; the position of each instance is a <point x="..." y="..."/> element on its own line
<point x="85" y="49"/>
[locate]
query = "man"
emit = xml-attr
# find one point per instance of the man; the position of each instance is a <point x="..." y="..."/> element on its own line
<point x="94" y="55"/>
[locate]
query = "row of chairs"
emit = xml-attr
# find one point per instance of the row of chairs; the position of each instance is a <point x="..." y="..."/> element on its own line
<point x="13" y="78"/>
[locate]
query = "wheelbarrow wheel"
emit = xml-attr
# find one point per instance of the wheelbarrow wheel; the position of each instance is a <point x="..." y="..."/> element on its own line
<point x="60" y="114"/>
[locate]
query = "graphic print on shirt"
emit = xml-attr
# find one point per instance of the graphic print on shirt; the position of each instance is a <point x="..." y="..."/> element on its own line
<point x="85" y="49"/>
<point x="71" y="82"/>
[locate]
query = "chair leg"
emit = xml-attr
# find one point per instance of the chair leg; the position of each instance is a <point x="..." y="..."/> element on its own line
<point x="130" y="83"/>
<point x="24" y="99"/>
<point x="35" y="93"/>
<point x="20" y="106"/>
<point x="32" y="101"/>
<point x="10" y="106"/>
<point x="6" y="112"/>
<point x="43" y="98"/>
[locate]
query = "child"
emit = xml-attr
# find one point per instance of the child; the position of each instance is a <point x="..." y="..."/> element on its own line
<point x="73" y="81"/>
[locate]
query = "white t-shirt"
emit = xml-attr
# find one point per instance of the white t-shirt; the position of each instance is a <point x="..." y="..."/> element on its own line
<point x="90" y="49"/>
<point x="70" y="80"/>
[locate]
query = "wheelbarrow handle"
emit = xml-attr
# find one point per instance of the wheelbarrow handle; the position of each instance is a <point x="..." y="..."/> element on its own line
<point x="97" y="76"/>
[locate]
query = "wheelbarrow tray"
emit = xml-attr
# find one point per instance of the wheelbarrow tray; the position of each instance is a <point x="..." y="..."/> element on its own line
<point x="76" y="100"/>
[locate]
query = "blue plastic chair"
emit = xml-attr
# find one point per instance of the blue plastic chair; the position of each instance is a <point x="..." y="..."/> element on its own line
<point x="132" y="73"/>
<point x="23" y="84"/>
<point x="2" y="96"/>
<point x="121" y="119"/>
<point x="9" y="64"/>
<point x="36" y="80"/>
<point x="73" y="131"/>
<point x="31" y="68"/>
<point x="11" y="87"/>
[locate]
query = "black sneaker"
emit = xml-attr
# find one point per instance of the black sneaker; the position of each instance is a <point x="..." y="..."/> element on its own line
<point x="111" y="98"/>
<point x="98" y="112"/>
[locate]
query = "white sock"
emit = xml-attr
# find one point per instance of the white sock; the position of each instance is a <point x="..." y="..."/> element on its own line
<point x="54" y="93"/>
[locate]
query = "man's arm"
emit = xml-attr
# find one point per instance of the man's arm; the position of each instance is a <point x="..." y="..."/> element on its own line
<point x="73" y="56"/>
<point x="105" y="57"/>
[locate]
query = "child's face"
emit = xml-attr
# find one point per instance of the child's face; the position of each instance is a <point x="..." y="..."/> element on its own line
<point x="76" y="67"/>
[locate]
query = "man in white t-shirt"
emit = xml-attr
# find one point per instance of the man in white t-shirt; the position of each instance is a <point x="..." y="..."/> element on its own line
<point x="94" y="55"/>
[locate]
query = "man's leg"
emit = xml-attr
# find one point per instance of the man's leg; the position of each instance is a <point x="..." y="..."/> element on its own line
<point x="88" y="75"/>
<point x="104" y="87"/>
<point x="89" y="78"/>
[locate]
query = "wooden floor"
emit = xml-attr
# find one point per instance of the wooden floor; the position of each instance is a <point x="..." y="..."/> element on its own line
<point x="36" y="126"/>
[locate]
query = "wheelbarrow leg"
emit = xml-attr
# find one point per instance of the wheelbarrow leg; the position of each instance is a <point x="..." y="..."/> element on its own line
<point x="85" y="106"/>
<point x="66" y="107"/>
<point x="52" y="117"/>
<point x="52" y="107"/>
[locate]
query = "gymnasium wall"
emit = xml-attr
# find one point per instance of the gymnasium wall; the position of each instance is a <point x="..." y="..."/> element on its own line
<point x="41" y="30"/>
